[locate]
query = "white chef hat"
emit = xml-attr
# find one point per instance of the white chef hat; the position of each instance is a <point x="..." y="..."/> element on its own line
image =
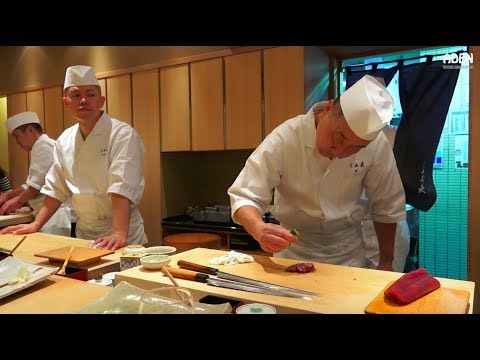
<point x="79" y="75"/>
<point x="367" y="106"/>
<point x="27" y="117"/>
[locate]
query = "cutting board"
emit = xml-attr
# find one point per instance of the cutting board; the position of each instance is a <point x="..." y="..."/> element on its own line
<point x="81" y="256"/>
<point x="441" y="301"/>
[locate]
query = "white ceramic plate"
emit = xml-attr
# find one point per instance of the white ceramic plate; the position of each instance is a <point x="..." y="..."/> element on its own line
<point x="9" y="268"/>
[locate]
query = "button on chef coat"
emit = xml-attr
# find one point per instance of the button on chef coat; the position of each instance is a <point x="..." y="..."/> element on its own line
<point x="109" y="160"/>
<point x="318" y="196"/>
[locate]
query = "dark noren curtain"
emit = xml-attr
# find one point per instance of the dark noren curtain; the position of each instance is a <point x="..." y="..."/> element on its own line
<point x="386" y="74"/>
<point x="426" y="90"/>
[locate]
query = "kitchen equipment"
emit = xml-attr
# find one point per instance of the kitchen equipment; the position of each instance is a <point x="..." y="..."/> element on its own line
<point x="210" y="214"/>
<point x="213" y="271"/>
<point x="64" y="266"/>
<point x="441" y="301"/>
<point x="80" y="257"/>
<point x="195" y="276"/>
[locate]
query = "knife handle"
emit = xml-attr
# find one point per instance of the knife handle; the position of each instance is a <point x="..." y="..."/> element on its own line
<point x="187" y="275"/>
<point x="197" y="267"/>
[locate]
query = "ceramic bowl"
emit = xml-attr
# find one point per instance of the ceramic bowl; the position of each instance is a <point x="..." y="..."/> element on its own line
<point x="155" y="262"/>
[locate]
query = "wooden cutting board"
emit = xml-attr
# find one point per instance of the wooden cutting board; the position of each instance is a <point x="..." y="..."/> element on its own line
<point x="81" y="256"/>
<point x="441" y="301"/>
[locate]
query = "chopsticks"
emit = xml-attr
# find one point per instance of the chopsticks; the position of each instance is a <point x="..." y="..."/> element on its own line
<point x="16" y="246"/>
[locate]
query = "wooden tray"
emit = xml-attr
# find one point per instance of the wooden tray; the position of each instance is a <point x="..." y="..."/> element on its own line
<point x="440" y="301"/>
<point x="81" y="256"/>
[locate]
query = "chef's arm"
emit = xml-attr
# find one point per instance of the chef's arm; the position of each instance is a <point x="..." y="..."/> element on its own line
<point x="250" y="218"/>
<point x="271" y="237"/>
<point x="120" y="215"/>
<point x="9" y="195"/>
<point x="49" y="206"/>
<point x="386" y="243"/>
<point x="23" y="196"/>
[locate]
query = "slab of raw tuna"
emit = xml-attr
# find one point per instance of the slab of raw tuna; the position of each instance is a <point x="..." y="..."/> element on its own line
<point x="301" y="267"/>
<point x="412" y="286"/>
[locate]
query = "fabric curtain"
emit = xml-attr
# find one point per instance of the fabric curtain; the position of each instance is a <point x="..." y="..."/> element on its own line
<point x="425" y="90"/>
<point x="386" y="74"/>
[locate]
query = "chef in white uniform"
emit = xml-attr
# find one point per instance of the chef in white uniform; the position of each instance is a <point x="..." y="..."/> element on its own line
<point x="402" y="238"/>
<point x="99" y="166"/>
<point x="319" y="164"/>
<point x="28" y="133"/>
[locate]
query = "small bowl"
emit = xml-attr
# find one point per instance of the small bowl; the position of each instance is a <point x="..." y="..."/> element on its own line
<point x="160" y="250"/>
<point x="155" y="262"/>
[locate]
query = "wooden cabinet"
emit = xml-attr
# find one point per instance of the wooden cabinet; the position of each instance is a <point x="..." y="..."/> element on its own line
<point x="119" y="98"/>
<point x="146" y="113"/>
<point x="283" y="84"/>
<point x="175" y="108"/>
<point x="53" y="111"/>
<point x="243" y="100"/>
<point x="17" y="157"/>
<point x="206" y="83"/>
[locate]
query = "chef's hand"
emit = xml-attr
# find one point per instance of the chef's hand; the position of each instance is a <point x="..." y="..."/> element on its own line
<point x="10" y="206"/>
<point x="110" y="242"/>
<point x="273" y="238"/>
<point x="20" y="229"/>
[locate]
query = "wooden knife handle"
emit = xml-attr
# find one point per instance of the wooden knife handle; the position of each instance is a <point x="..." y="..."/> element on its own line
<point x="197" y="267"/>
<point x="187" y="275"/>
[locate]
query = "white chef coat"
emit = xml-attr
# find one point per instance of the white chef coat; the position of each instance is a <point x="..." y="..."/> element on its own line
<point x="41" y="159"/>
<point x="318" y="196"/>
<point x="109" y="160"/>
<point x="402" y="235"/>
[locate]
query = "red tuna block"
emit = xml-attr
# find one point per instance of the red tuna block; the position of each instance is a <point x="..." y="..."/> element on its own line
<point x="412" y="286"/>
<point x="301" y="267"/>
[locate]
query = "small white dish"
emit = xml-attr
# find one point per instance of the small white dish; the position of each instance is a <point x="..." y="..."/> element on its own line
<point x="164" y="250"/>
<point x="155" y="262"/>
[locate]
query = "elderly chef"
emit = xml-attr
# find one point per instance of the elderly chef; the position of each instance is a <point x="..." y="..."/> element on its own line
<point x="99" y="165"/>
<point x="28" y="133"/>
<point x="319" y="164"/>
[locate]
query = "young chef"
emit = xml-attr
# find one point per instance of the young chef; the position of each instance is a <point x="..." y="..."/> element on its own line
<point x="319" y="164"/>
<point x="99" y="165"/>
<point x="28" y="133"/>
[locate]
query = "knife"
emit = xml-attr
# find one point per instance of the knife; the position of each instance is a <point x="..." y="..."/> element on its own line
<point x="195" y="276"/>
<point x="213" y="271"/>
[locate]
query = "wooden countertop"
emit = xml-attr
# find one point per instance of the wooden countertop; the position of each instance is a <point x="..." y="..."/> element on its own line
<point x="55" y="295"/>
<point x="7" y="220"/>
<point x="40" y="242"/>
<point x="345" y="290"/>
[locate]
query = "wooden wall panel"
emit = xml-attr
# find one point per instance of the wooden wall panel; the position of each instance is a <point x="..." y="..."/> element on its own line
<point x="35" y="104"/>
<point x="175" y="108"/>
<point x="206" y="80"/>
<point x="53" y="111"/>
<point x="283" y="85"/>
<point x="17" y="157"/>
<point x="243" y="97"/>
<point x="146" y="121"/>
<point x="119" y="98"/>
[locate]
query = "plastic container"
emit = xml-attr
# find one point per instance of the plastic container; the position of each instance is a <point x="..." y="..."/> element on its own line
<point x="256" y="309"/>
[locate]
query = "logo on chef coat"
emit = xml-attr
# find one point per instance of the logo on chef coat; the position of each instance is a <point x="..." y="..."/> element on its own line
<point x="357" y="165"/>
<point x="103" y="151"/>
<point x="458" y="61"/>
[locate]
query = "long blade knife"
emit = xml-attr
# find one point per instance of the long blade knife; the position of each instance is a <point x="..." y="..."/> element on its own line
<point x="213" y="271"/>
<point x="195" y="276"/>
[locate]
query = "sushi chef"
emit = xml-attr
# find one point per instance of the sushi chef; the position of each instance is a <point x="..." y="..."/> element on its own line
<point x="99" y="166"/>
<point x="317" y="166"/>
<point x="28" y="133"/>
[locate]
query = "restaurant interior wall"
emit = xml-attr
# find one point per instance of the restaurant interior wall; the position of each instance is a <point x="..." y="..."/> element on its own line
<point x="3" y="134"/>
